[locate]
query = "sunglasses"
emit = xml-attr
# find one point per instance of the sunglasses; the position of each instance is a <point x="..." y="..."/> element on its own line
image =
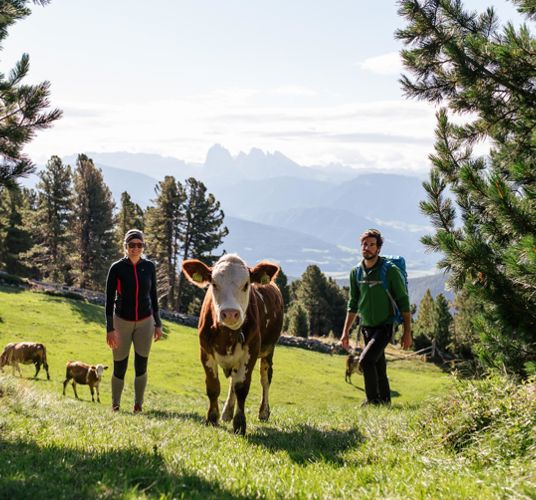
<point x="135" y="245"/>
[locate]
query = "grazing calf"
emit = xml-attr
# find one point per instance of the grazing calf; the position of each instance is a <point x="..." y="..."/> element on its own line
<point x="25" y="353"/>
<point x="240" y="321"/>
<point x="352" y="365"/>
<point x="82" y="373"/>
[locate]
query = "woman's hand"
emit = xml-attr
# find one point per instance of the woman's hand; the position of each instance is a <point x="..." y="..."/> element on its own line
<point x="112" y="339"/>
<point x="157" y="333"/>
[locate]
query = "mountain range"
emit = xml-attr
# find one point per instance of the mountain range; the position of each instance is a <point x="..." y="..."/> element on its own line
<point x="293" y="214"/>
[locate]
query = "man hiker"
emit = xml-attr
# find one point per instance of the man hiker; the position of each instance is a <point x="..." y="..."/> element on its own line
<point x="377" y="293"/>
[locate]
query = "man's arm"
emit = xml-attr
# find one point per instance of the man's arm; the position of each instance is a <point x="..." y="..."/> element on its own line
<point x="401" y="298"/>
<point x="407" y="338"/>
<point x="351" y="311"/>
<point x="348" y="322"/>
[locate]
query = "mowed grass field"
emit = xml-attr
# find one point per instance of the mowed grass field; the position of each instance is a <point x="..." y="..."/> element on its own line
<point x="319" y="442"/>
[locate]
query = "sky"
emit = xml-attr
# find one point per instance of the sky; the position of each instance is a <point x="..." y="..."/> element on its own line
<point x="316" y="80"/>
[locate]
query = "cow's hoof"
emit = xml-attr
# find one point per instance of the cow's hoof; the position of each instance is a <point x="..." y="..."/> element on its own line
<point x="227" y="414"/>
<point x="212" y="418"/>
<point x="239" y="424"/>
<point x="264" y="414"/>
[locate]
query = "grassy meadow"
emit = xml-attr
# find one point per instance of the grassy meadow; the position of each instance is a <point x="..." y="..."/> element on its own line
<point x="319" y="442"/>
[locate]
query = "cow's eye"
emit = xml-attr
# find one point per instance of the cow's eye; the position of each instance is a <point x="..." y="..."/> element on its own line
<point x="246" y="287"/>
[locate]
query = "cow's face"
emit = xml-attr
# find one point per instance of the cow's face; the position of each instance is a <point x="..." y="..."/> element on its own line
<point x="230" y="282"/>
<point x="4" y="358"/>
<point x="100" y="370"/>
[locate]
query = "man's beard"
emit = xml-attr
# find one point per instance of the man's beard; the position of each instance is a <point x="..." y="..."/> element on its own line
<point x="369" y="256"/>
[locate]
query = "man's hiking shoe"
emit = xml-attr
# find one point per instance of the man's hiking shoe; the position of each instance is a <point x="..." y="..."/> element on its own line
<point x="115" y="408"/>
<point x="137" y="408"/>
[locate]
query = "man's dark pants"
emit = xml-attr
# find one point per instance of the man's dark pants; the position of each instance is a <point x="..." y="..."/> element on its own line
<point x="372" y="362"/>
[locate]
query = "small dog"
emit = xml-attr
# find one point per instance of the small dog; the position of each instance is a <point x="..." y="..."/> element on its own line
<point x="352" y="365"/>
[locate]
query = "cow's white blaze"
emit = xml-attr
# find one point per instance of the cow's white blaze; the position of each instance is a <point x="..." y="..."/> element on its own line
<point x="212" y="365"/>
<point x="236" y="362"/>
<point x="100" y="371"/>
<point x="230" y="289"/>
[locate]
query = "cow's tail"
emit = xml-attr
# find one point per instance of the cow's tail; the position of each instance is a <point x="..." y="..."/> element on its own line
<point x="43" y="350"/>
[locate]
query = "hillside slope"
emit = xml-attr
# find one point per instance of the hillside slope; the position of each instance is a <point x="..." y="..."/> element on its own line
<point x="318" y="436"/>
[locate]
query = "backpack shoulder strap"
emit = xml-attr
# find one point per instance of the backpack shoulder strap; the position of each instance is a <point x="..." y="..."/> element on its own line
<point x="386" y="264"/>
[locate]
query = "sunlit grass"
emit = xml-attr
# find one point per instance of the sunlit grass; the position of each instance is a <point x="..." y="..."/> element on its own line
<point x="319" y="443"/>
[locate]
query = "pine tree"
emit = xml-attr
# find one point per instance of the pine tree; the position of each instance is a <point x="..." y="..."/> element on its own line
<point x="322" y="299"/>
<point x="50" y="223"/>
<point x="443" y="323"/>
<point x="130" y="216"/>
<point x="201" y="230"/>
<point x="22" y="106"/>
<point x="476" y="69"/>
<point x="425" y="324"/>
<point x="15" y="239"/>
<point x="162" y="234"/>
<point x="464" y="333"/>
<point x="298" y="324"/>
<point x="282" y="282"/>
<point x="92" y="228"/>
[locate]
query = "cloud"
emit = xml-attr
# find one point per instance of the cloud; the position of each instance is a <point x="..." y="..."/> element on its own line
<point x="296" y="91"/>
<point x="392" y="134"/>
<point x="385" y="64"/>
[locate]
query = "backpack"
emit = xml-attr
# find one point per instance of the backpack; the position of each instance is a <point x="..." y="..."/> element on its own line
<point x="387" y="262"/>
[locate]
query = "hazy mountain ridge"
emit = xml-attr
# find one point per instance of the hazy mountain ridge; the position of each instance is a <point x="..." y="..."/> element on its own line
<point x="277" y="208"/>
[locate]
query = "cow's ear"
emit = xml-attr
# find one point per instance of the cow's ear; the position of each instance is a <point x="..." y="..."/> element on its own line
<point x="197" y="272"/>
<point x="263" y="273"/>
<point x="105" y="367"/>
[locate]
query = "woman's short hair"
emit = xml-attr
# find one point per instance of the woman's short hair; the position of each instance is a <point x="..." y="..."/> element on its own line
<point x="372" y="233"/>
<point x="133" y="234"/>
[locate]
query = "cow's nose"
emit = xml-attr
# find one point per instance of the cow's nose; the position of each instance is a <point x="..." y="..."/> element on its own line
<point x="230" y="315"/>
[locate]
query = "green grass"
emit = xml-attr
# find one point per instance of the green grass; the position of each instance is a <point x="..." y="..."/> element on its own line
<point x="318" y="443"/>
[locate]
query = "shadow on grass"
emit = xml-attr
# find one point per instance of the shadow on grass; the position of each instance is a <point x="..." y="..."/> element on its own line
<point x="164" y="414"/>
<point x="12" y="289"/>
<point x="90" y="313"/>
<point x="308" y="444"/>
<point x="28" y="470"/>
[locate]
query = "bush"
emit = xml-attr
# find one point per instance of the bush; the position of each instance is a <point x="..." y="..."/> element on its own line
<point x="488" y="421"/>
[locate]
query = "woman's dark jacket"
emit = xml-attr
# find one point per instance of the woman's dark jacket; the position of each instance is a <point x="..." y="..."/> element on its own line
<point x="133" y="290"/>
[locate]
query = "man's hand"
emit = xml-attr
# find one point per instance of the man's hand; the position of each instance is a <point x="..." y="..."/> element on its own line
<point x="112" y="339"/>
<point x="345" y="341"/>
<point x="157" y="333"/>
<point x="406" y="339"/>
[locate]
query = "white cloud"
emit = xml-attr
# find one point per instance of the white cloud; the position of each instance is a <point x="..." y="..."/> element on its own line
<point x="389" y="135"/>
<point x="386" y="64"/>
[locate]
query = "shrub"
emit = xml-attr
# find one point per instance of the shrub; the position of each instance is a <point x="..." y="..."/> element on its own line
<point x="488" y="421"/>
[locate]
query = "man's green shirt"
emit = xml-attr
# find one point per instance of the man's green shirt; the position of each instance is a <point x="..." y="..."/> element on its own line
<point x="371" y="301"/>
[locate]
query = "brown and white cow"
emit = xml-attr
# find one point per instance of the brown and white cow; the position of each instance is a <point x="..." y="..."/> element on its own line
<point x="82" y="373"/>
<point x="241" y="320"/>
<point x="25" y="353"/>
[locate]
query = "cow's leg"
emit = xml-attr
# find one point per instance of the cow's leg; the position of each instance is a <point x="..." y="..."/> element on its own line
<point x="65" y="382"/>
<point x="37" y="367"/>
<point x="45" y="364"/>
<point x="74" y="389"/>
<point x="241" y="382"/>
<point x="229" y="406"/>
<point x="266" y="380"/>
<point x="213" y="387"/>
<point x="98" y="393"/>
<point x="17" y="366"/>
<point x="92" y="393"/>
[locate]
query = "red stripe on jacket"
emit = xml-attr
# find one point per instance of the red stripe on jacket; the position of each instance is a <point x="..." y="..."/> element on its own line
<point x="137" y="290"/>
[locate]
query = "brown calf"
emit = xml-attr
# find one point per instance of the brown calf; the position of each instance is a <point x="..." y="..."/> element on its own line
<point x="82" y="373"/>
<point x="240" y="321"/>
<point x="25" y="353"/>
